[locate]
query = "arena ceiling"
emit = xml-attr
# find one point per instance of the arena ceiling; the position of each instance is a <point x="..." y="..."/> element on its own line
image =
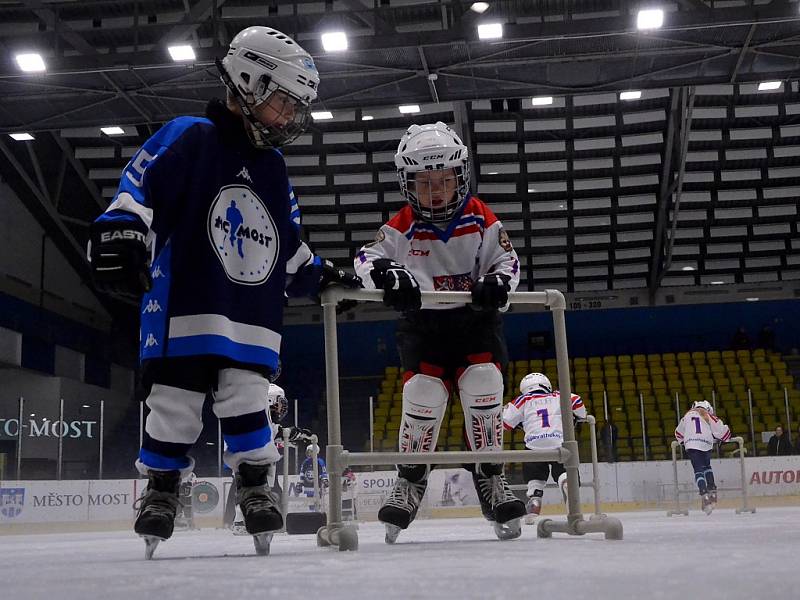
<point x="599" y="194"/>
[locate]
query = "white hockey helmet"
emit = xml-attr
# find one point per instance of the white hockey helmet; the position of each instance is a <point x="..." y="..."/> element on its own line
<point x="705" y="405"/>
<point x="533" y="382"/>
<point x="278" y="405"/>
<point x="260" y="62"/>
<point x="432" y="147"/>
<point x="310" y="449"/>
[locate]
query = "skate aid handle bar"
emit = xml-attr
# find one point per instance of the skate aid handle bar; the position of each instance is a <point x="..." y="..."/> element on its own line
<point x="551" y="298"/>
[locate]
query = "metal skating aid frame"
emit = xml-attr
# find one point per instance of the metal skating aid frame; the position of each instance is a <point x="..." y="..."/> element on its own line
<point x="679" y="510"/>
<point x="345" y="537"/>
<point x="595" y="482"/>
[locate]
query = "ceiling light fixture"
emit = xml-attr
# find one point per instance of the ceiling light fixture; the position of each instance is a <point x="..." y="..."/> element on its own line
<point x="490" y="31"/>
<point x="367" y="117"/>
<point x="650" y="19"/>
<point x="766" y="86"/>
<point x="334" y="41"/>
<point x="30" y="63"/>
<point x="479" y="7"/>
<point x="408" y="109"/>
<point x="181" y="53"/>
<point x="322" y="115"/>
<point x="21" y="137"/>
<point x="630" y="95"/>
<point x="542" y="100"/>
<point x="113" y="130"/>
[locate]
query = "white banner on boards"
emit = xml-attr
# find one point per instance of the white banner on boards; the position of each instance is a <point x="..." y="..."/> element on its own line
<point x="651" y="481"/>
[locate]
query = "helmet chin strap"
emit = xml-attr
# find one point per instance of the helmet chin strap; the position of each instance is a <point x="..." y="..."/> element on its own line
<point x="252" y="125"/>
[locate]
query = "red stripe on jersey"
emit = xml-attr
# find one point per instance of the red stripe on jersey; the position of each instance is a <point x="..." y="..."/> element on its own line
<point x="507" y="427"/>
<point x="520" y="400"/>
<point x="477" y="206"/>
<point x="679" y="435"/>
<point x="471" y="228"/>
<point x="424" y="235"/>
<point x="716" y="420"/>
<point x="403" y="220"/>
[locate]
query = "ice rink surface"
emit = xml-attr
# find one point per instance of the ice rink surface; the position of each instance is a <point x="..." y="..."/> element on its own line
<point x="722" y="556"/>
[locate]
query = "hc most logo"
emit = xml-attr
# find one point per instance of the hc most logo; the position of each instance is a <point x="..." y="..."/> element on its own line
<point x="12" y="500"/>
<point x="243" y="235"/>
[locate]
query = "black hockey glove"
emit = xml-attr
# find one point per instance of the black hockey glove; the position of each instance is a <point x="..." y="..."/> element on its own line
<point x="335" y="276"/>
<point x="400" y="288"/>
<point x="119" y="258"/>
<point x="490" y="292"/>
<point x="332" y="275"/>
<point x="298" y="433"/>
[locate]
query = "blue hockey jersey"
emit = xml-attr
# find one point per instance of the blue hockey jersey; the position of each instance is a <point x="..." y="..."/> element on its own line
<point x="225" y="234"/>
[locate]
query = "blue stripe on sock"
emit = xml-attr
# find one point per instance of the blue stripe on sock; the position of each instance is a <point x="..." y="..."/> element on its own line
<point x="159" y="461"/>
<point x="248" y="441"/>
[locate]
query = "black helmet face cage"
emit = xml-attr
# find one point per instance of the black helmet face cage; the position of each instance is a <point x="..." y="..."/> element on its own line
<point x="297" y="110"/>
<point x="413" y="190"/>
<point x="279" y="409"/>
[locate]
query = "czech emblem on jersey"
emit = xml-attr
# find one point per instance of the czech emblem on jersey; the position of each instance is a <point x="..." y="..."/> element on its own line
<point x="205" y="497"/>
<point x="243" y="235"/>
<point x="505" y="241"/>
<point x="12" y="500"/>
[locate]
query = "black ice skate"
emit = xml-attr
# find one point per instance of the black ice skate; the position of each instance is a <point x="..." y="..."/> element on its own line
<point x="499" y="505"/>
<point x="158" y="506"/>
<point x="260" y="505"/>
<point x="400" y="508"/>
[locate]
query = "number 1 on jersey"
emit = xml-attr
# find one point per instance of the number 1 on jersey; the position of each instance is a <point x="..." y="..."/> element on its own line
<point x="697" y="428"/>
<point x="542" y="412"/>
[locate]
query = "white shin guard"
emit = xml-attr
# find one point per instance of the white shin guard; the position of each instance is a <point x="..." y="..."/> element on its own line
<point x="481" y="389"/>
<point x="535" y="485"/>
<point x="562" y="485"/>
<point x="240" y="392"/>
<point x="424" y="403"/>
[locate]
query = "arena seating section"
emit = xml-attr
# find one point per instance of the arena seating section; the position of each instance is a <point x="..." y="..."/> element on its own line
<point x="657" y="377"/>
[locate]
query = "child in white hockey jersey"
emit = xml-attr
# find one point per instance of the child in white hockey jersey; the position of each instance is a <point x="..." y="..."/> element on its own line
<point x="445" y="239"/>
<point x="698" y="430"/>
<point x="538" y="411"/>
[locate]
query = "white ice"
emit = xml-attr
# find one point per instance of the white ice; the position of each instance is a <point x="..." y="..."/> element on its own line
<point x="679" y="558"/>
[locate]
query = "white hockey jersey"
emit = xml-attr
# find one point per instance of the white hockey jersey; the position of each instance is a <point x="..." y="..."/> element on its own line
<point x="540" y="415"/>
<point x="697" y="433"/>
<point x="451" y="259"/>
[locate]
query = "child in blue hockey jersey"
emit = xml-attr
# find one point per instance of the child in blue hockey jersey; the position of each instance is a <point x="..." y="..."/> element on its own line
<point x="206" y="226"/>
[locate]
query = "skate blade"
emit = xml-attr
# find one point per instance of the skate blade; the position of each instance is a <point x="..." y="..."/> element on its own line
<point x="509" y="530"/>
<point x="150" y="544"/>
<point x="392" y="531"/>
<point x="530" y="519"/>
<point x="262" y="542"/>
<point x="239" y="529"/>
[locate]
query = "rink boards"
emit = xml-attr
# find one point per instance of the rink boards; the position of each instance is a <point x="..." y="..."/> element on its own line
<point x="644" y="483"/>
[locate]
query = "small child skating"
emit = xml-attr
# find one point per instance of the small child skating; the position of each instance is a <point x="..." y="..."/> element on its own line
<point x="698" y="430"/>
